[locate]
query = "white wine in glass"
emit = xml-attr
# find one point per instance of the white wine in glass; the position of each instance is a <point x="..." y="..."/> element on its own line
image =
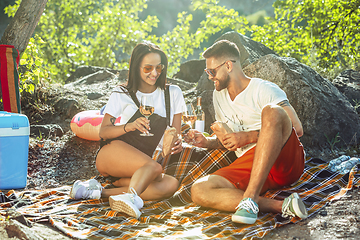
<point x="189" y="115"/>
<point x="146" y="109"/>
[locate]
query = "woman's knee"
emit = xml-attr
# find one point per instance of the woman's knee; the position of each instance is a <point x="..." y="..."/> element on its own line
<point x="155" y="167"/>
<point x="172" y="184"/>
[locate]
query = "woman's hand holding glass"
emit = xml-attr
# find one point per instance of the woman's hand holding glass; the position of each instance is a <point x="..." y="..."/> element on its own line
<point x="142" y="124"/>
<point x="147" y="109"/>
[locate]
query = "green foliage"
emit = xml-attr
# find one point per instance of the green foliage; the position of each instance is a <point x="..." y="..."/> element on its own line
<point x="332" y="142"/>
<point x="32" y="70"/>
<point x="320" y="33"/>
<point x="11" y="9"/>
<point x="79" y="32"/>
<point x="323" y="34"/>
<point x="181" y="41"/>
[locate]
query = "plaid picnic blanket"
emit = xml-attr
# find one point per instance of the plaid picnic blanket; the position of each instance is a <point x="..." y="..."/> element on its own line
<point x="176" y="217"/>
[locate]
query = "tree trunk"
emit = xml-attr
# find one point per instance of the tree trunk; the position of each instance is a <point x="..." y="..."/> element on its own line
<point x="22" y="26"/>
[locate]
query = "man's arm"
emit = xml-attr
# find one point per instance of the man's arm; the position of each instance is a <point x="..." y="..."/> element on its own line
<point x="233" y="141"/>
<point x="293" y="116"/>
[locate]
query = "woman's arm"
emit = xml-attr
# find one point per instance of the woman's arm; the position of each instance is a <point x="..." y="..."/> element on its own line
<point x="108" y="130"/>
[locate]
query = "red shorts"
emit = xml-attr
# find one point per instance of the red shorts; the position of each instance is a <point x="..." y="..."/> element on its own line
<point x="286" y="170"/>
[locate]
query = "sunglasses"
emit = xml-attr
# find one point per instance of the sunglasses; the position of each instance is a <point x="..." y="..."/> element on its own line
<point x="149" y="68"/>
<point x="212" y="72"/>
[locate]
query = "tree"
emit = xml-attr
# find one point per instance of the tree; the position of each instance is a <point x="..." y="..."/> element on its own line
<point x="22" y="26"/>
<point x="323" y="34"/>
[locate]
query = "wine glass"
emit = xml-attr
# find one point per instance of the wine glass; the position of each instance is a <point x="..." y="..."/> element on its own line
<point x="146" y="109"/>
<point x="189" y="116"/>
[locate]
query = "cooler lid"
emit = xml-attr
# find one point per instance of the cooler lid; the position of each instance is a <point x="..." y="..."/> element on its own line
<point x="13" y="120"/>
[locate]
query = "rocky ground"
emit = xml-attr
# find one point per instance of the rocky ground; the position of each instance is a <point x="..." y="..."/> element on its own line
<point x="59" y="159"/>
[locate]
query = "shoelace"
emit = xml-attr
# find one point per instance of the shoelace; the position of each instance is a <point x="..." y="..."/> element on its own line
<point x="132" y="194"/>
<point x="286" y="212"/>
<point x="87" y="192"/>
<point x="248" y="205"/>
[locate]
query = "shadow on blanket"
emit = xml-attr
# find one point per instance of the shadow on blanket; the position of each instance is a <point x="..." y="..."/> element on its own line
<point x="176" y="217"/>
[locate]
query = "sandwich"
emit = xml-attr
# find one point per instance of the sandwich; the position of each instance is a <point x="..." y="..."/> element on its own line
<point x="220" y="129"/>
<point x="170" y="137"/>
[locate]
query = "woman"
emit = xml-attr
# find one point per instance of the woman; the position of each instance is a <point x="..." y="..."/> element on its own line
<point x="139" y="174"/>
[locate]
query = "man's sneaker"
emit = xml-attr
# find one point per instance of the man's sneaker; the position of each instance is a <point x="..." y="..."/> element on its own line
<point x="128" y="203"/>
<point x="247" y="212"/>
<point x="90" y="189"/>
<point x="293" y="206"/>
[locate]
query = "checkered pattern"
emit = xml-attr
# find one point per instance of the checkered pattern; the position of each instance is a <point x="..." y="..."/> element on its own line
<point x="176" y="217"/>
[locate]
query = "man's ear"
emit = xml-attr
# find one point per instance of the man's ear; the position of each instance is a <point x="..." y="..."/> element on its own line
<point x="229" y="66"/>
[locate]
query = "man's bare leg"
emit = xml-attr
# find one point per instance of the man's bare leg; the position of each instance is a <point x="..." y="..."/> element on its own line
<point x="216" y="192"/>
<point x="275" y="130"/>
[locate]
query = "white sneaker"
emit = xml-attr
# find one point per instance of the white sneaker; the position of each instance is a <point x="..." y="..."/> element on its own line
<point x="90" y="189"/>
<point x="293" y="206"/>
<point x="128" y="203"/>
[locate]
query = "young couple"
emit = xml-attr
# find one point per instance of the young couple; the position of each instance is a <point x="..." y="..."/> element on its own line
<point x="265" y="139"/>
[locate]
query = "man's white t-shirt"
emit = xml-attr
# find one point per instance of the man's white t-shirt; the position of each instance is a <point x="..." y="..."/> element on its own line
<point x="121" y="104"/>
<point x="244" y="113"/>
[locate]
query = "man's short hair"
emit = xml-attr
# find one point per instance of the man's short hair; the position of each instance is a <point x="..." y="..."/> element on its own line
<point x="222" y="49"/>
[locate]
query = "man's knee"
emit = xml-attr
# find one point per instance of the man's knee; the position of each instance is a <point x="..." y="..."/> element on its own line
<point x="199" y="190"/>
<point x="202" y="187"/>
<point x="273" y="114"/>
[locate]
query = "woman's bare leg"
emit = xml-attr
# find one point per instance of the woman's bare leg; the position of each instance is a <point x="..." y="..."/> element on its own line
<point x="162" y="187"/>
<point x="119" y="159"/>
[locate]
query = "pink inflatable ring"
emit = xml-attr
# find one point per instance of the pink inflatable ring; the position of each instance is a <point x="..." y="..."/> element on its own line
<point x="86" y="124"/>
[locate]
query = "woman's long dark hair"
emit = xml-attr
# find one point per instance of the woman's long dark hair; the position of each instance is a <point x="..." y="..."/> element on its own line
<point x="137" y="56"/>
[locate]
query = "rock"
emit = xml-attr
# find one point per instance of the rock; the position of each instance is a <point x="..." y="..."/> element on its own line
<point x="208" y="108"/>
<point x="99" y="76"/>
<point x="94" y="95"/>
<point x="85" y="71"/>
<point x="67" y="107"/>
<point x="191" y="71"/>
<point x="45" y="131"/>
<point x="184" y="85"/>
<point x="16" y="229"/>
<point x="205" y="83"/>
<point x="348" y="83"/>
<point x="322" y="109"/>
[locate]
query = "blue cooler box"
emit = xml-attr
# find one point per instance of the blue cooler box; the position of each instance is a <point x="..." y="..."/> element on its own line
<point x="14" y="150"/>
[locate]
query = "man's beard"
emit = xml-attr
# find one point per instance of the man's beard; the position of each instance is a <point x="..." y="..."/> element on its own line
<point x="223" y="83"/>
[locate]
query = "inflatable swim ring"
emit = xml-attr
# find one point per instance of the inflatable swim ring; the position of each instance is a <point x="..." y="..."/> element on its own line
<point x="86" y="124"/>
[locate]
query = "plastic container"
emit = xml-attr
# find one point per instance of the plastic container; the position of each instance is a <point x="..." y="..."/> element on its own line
<point x="333" y="164"/>
<point x="14" y="150"/>
<point x="346" y="166"/>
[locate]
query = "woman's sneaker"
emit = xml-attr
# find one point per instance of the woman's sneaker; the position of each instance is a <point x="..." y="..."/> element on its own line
<point x="293" y="206"/>
<point x="247" y="212"/>
<point x="128" y="203"/>
<point x="90" y="189"/>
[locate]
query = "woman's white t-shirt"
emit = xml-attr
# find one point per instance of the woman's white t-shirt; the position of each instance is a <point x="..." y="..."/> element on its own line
<point x="244" y="113"/>
<point x="121" y="104"/>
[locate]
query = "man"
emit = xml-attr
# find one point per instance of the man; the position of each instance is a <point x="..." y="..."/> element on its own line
<point x="265" y="139"/>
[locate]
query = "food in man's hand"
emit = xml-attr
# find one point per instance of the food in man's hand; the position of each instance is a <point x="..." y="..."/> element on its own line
<point x="220" y="129"/>
<point x="170" y="138"/>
